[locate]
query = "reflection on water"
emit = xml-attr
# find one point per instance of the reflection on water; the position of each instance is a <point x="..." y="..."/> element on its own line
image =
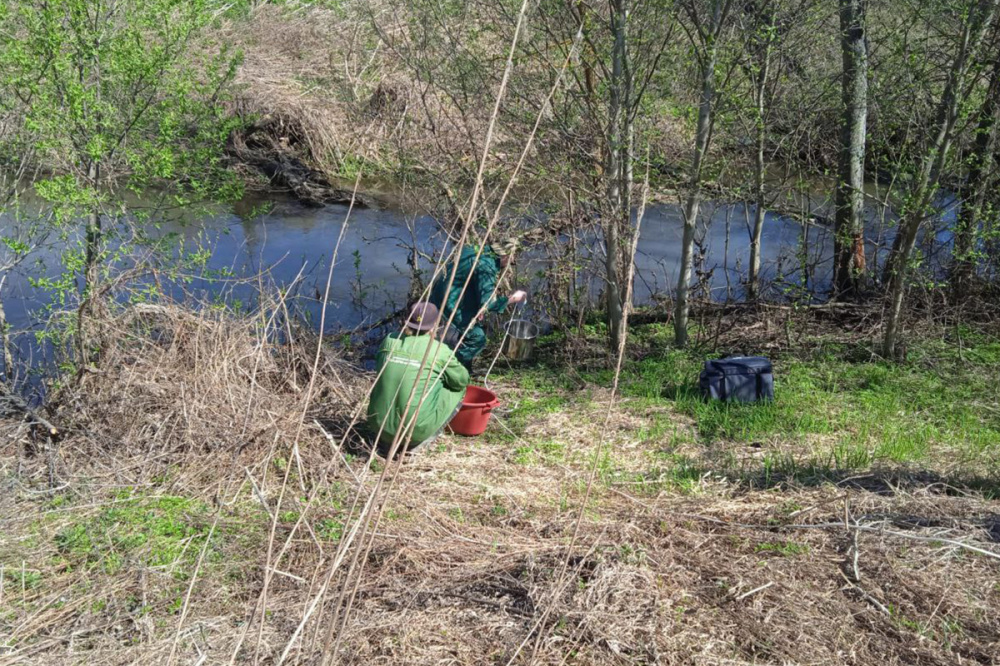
<point x="372" y="276"/>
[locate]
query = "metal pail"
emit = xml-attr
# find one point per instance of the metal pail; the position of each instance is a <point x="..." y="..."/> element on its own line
<point x="521" y="335"/>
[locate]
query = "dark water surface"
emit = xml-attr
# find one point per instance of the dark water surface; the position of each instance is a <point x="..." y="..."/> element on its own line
<point x="372" y="276"/>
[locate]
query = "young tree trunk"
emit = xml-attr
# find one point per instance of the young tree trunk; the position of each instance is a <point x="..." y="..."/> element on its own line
<point x="618" y="223"/>
<point x="760" y="93"/>
<point x="924" y="188"/>
<point x="93" y="240"/>
<point x="91" y="275"/>
<point x="7" y="378"/>
<point x="702" y="137"/>
<point x="973" y="194"/>
<point x="627" y="165"/>
<point x="849" y="241"/>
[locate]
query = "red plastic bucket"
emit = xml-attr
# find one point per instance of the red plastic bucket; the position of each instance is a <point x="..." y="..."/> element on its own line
<point x="474" y="414"/>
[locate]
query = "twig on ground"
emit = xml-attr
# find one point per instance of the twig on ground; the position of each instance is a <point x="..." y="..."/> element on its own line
<point x="867" y="597"/>
<point x="754" y="591"/>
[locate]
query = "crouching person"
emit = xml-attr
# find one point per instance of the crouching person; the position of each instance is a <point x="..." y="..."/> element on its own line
<point x="411" y="364"/>
<point x="466" y="302"/>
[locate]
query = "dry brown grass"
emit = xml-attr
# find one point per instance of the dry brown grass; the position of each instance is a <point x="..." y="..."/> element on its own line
<point x="466" y="559"/>
<point x="318" y="83"/>
<point x="328" y="86"/>
<point x="311" y="88"/>
<point x="290" y="83"/>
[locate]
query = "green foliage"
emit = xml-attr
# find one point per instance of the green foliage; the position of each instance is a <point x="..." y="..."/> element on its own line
<point x="119" y="98"/>
<point x="27" y="579"/>
<point x="634" y="555"/>
<point x="330" y="529"/>
<point x="165" y="531"/>
<point x="289" y="517"/>
<point x="352" y="167"/>
<point x="119" y="86"/>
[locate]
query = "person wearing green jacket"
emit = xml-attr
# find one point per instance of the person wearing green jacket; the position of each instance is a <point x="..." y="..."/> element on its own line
<point x="479" y="297"/>
<point x="409" y="365"/>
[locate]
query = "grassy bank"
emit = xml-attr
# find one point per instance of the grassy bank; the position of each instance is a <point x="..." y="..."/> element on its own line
<point x="840" y="410"/>
<point x="852" y="521"/>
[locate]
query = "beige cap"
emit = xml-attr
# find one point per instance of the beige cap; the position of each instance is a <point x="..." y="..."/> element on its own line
<point x="506" y="246"/>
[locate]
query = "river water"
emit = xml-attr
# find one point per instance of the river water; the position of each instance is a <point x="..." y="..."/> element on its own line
<point x="291" y="243"/>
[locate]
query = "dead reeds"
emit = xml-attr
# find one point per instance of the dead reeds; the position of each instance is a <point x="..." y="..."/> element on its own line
<point x="289" y="82"/>
<point x="187" y="422"/>
<point x="193" y="513"/>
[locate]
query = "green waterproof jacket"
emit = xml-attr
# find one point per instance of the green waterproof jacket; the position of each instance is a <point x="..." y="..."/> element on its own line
<point x="442" y="377"/>
<point x="480" y="291"/>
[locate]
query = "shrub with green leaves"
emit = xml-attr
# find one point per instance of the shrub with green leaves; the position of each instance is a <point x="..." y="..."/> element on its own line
<point x="115" y="99"/>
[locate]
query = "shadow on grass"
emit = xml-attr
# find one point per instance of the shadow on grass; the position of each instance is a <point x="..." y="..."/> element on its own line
<point x="356" y="443"/>
<point x="785" y="471"/>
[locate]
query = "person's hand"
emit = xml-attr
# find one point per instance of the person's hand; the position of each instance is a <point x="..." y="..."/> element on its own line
<point x="518" y="297"/>
<point x="482" y="316"/>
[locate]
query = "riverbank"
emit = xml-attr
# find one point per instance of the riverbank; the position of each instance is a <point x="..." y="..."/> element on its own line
<point x="853" y="521"/>
<point x="312" y="122"/>
<point x="328" y="97"/>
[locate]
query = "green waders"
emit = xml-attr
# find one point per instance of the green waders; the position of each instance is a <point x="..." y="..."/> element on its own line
<point x="479" y="293"/>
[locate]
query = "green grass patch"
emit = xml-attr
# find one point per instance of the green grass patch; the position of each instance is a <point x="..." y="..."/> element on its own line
<point x="546" y="404"/>
<point x="868" y="411"/>
<point x="836" y="409"/>
<point x="17" y="578"/>
<point x="540" y="452"/>
<point x="673" y="472"/>
<point x="163" y="531"/>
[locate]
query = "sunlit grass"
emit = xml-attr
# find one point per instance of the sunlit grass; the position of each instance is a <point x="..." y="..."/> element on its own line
<point x="835" y="410"/>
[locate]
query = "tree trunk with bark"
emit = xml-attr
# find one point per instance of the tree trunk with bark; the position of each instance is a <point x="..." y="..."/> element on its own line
<point x="91" y="268"/>
<point x="708" y="62"/>
<point x="974" y="192"/>
<point x="925" y="186"/>
<point x="849" y="241"/>
<point x="760" y="102"/>
<point x="7" y="377"/>
<point x="617" y="227"/>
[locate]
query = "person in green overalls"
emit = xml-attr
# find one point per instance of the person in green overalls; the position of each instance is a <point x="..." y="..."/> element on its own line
<point x="410" y="364"/>
<point x="479" y="297"/>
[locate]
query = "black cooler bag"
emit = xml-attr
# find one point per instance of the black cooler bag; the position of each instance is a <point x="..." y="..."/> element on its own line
<point x="739" y="378"/>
